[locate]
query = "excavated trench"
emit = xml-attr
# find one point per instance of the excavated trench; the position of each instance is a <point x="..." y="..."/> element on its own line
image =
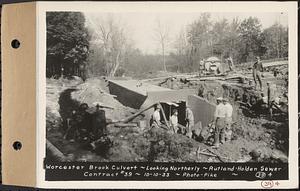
<point x="135" y="144"/>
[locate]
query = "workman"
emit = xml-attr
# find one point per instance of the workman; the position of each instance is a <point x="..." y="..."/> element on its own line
<point x="230" y="63"/>
<point x="201" y="67"/>
<point x="228" y="119"/>
<point x="189" y="118"/>
<point x="219" y="119"/>
<point x="261" y="106"/>
<point x="257" y="69"/>
<point x="174" y="121"/>
<point x="276" y="72"/>
<point x="155" y="119"/>
<point x="98" y="123"/>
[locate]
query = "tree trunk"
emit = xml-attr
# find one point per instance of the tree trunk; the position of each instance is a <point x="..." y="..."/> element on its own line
<point x="164" y="60"/>
<point x="277" y="48"/>
<point x="116" y="65"/>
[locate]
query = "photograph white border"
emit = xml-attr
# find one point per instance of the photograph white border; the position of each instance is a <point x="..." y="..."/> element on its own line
<point x="290" y="7"/>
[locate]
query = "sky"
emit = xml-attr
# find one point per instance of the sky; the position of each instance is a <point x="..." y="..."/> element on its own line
<point x="140" y="26"/>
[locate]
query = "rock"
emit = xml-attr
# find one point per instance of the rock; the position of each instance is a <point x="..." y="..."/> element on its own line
<point x="255" y="154"/>
<point x="161" y="143"/>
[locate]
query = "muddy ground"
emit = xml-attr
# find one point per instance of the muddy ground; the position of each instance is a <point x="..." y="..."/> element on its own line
<point x="135" y="144"/>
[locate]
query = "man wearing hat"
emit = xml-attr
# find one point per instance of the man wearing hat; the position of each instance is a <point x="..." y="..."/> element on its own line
<point x="228" y="119"/>
<point x="174" y="120"/>
<point x="219" y="119"/>
<point x="201" y="67"/>
<point x="155" y="118"/>
<point x="257" y="69"/>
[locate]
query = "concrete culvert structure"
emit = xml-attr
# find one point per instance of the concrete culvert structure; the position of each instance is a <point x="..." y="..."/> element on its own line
<point x="148" y="94"/>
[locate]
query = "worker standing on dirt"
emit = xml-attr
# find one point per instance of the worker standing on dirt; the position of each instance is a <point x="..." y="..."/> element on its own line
<point x="219" y="119"/>
<point x="174" y="120"/>
<point x="189" y="118"/>
<point x="155" y="119"/>
<point x="228" y="119"/>
<point x="201" y="67"/>
<point x="257" y="69"/>
<point x="261" y="105"/>
<point x="230" y="63"/>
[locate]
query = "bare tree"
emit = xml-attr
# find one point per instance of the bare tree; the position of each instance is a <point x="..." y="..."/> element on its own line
<point x="110" y="33"/>
<point x="162" y="36"/>
<point x="182" y="49"/>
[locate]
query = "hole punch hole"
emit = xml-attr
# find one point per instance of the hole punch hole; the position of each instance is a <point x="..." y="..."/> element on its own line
<point x="15" y="43"/>
<point x="17" y="145"/>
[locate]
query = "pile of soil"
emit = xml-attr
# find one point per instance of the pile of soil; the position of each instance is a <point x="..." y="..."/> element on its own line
<point x="156" y="144"/>
<point x="132" y="144"/>
<point x="95" y="90"/>
<point x="251" y="134"/>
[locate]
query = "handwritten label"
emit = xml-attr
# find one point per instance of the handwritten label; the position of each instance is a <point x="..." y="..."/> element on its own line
<point x="267" y="184"/>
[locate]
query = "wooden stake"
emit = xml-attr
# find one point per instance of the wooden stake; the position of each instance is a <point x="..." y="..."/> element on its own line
<point x="164" y="116"/>
<point x="130" y="118"/>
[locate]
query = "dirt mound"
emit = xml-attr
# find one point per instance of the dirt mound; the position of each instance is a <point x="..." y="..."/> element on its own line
<point x="252" y="133"/>
<point x="156" y="144"/>
<point x="94" y="91"/>
<point x="169" y="147"/>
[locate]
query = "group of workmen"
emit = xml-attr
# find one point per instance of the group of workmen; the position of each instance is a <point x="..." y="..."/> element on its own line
<point x="269" y="100"/>
<point x="222" y="121"/>
<point x="257" y="69"/>
<point x="155" y="121"/>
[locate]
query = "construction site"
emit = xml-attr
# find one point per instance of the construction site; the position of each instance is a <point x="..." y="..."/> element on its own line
<point x="107" y="119"/>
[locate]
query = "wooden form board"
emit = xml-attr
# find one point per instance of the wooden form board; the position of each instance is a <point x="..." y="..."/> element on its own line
<point x="19" y="94"/>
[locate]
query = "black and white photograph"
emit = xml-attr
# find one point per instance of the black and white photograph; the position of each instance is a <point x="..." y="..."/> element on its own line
<point x="167" y="87"/>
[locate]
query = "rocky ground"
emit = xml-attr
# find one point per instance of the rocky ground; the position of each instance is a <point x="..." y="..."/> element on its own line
<point x="136" y="144"/>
